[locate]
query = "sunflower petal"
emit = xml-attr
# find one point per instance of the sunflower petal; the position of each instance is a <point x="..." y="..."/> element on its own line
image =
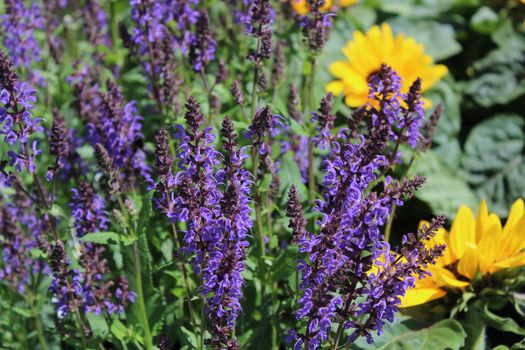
<point x="463" y="232"/>
<point x="468" y="264"/>
<point x="417" y="296"/>
<point x="446" y="278"/>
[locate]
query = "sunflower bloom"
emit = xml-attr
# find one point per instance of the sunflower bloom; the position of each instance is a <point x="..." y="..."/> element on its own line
<point x="302" y="7"/>
<point x="475" y="245"/>
<point x="367" y="51"/>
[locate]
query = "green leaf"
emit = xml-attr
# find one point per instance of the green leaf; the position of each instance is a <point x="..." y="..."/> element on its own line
<point x="297" y="128"/>
<point x="437" y="38"/>
<point x="505" y="324"/>
<point x="57" y="211"/>
<point x="190" y="337"/>
<point x="446" y="334"/>
<point x="475" y="328"/>
<point x="290" y="174"/>
<point x="494" y="160"/>
<point x="101" y="237"/>
<point x="445" y="189"/>
<point x="285" y="264"/>
<point x="98" y="324"/>
<point x="485" y="20"/>
<point x="119" y="330"/>
<point x="265" y="183"/>
<point x="145" y="213"/>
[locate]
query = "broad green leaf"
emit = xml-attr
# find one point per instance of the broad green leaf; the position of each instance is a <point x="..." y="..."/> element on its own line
<point x="505" y="324"/>
<point x="445" y="189"/>
<point x="494" y="160"/>
<point x="98" y="324"/>
<point x="190" y="337"/>
<point x="101" y="237"/>
<point x="437" y="38"/>
<point x="446" y="334"/>
<point x="265" y="183"/>
<point x="118" y="329"/>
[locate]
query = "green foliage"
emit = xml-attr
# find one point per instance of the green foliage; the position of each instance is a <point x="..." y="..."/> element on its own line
<point x="494" y="159"/>
<point x="404" y="335"/>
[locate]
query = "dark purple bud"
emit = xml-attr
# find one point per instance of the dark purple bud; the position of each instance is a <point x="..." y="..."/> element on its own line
<point x="238" y="96"/>
<point x="163" y="157"/>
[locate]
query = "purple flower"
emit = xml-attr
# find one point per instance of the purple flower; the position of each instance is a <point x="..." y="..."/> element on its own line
<point x="385" y="90"/>
<point x="17" y="264"/>
<point x="202" y="44"/>
<point x="213" y="201"/>
<point x="221" y="275"/>
<point x="115" y="125"/>
<point x="91" y="289"/>
<point x="19" y="23"/>
<point x="349" y="240"/>
<point x="325" y="123"/>
<point x="95" y="23"/>
<point x="17" y="125"/>
<point x="87" y="208"/>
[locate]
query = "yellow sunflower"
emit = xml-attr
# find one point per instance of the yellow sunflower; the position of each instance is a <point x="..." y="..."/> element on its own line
<point x="474" y="245"/>
<point x="367" y="51"/>
<point x="302" y="7"/>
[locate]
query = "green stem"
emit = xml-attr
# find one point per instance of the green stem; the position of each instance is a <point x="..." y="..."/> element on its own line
<point x="311" y="173"/>
<point x="79" y="325"/>
<point x="140" y="298"/>
<point x="388" y="227"/>
<point x="184" y="275"/>
<point x="38" y="324"/>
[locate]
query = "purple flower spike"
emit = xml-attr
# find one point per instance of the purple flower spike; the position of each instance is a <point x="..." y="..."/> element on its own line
<point x="336" y="276"/>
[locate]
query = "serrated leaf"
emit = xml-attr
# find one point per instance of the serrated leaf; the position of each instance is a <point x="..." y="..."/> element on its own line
<point x="101" y="237"/>
<point x="494" y="160"/>
<point x="284" y="265"/>
<point x="264" y="186"/>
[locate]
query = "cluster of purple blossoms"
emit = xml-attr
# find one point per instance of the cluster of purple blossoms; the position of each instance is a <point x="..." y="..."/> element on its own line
<point x="88" y="289"/>
<point x="63" y="144"/>
<point x="316" y="25"/>
<point x="113" y="124"/>
<point x="385" y="88"/>
<point x="264" y="124"/>
<point x="214" y="204"/>
<point x="19" y="23"/>
<point x="86" y="91"/>
<point x="221" y="275"/>
<point x="154" y="43"/>
<point x="247" y="13"/>
<point x="336" y="272"/>
<point x="18" y="267"/>
<point x="95" y="23"/>
<point x="16" y="121"/>
<point x="52" y="11"/>
<point x="259" y="26"/>
<point x="324" y="123"/>
<point x="203" y="44"/>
